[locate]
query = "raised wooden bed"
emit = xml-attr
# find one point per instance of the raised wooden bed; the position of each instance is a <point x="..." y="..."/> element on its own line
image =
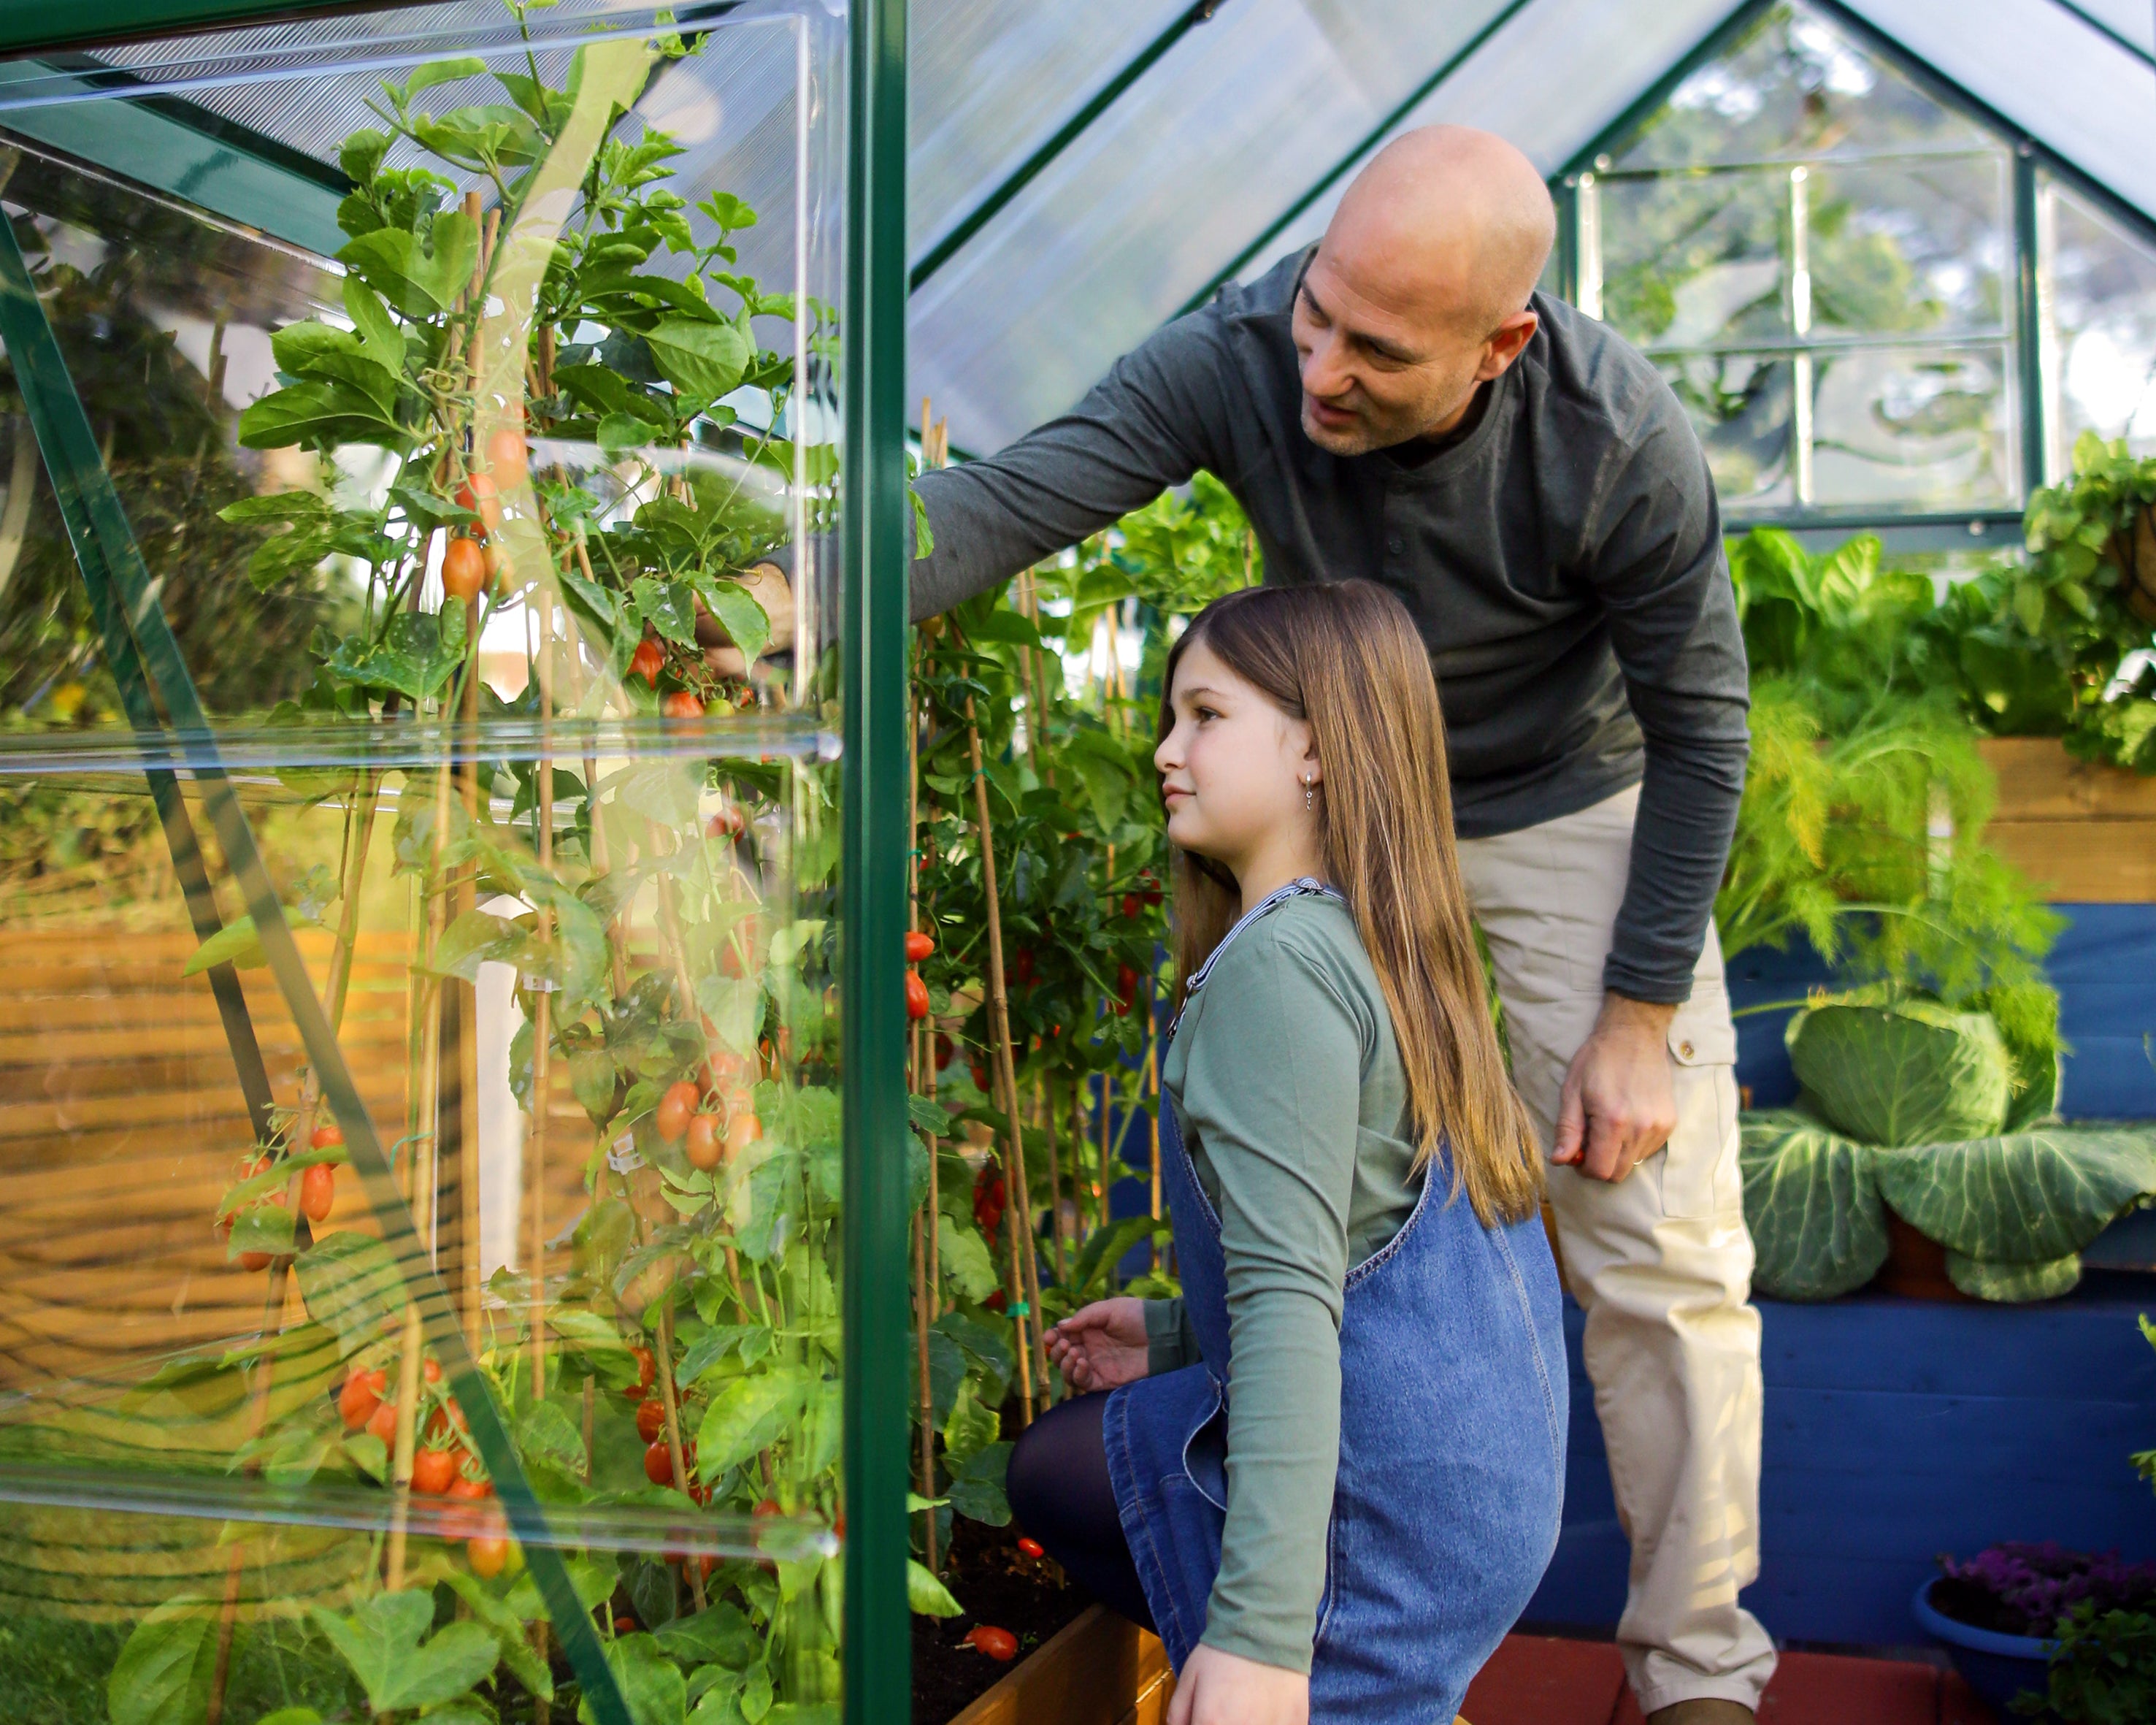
<point x="2086" y="833"/>
<point x="1099" y="1669"/>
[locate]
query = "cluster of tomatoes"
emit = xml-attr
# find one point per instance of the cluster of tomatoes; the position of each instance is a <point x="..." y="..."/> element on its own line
<point x="317" y="1189"/>
<point x="651" y="1427"/>
<point x="443" y="1462"/>
<point x="711" y="1128"/>
<point x="918" y="946"/>
<point x="472" y="561"/>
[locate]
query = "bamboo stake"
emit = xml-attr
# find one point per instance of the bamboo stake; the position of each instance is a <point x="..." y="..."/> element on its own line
<point x="1016" y="1204"/>
<point x="400" y="1467"/>
<point x="924" y="1266"/>
<point x="673" y="1411"/>
<point x="465" y="997"/>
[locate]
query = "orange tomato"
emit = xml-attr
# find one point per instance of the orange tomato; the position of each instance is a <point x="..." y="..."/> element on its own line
<point x="487" y="1553"/>
<point x="480" y="495"/>
<point x="463" y="570"/>
<point x="432" y="1470"/>
<point x="383" y="1422"/>
<point x="318" y="1191"/>
<point x="647" y="661"/>
<point x="254" y="1260"/>
<point x="650" y="1420"/>
<point x="705" y="1148"/>
<point x="999" y="1645"/>
<point x="679" y="704"/>
<point x="325" y="1135"/>
<point x="916" y="995"/>
<point x="675" y="1109"/>
<point x="742" y="1130"/>
<point x="918" y="946"/>
<point x="508" y="454"/>
<point x="359" y="1396"/>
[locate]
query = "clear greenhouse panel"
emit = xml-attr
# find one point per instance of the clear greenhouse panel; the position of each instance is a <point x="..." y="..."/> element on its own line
<point x="1197" y="158"/>
<point x="2103" y="350"/>
<point x="436" y="1305"/>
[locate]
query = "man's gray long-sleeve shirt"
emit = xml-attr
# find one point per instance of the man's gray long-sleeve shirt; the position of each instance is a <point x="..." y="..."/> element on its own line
<point x="1562" y="558"/>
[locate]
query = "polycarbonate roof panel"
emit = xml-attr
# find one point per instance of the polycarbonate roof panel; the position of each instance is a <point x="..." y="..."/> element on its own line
<point x="989" y="81"/>
<point x="1226" y="131"/>
<point x="2133" y="19"/>
<point x="2047" y="70"/>
<point x="1551" y="78"/>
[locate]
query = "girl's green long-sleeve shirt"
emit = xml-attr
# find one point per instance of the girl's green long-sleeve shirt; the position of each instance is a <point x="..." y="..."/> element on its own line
<point x="1294" y="1108"/>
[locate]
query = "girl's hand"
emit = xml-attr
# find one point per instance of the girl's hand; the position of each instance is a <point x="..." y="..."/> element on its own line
<point x="1217" y="1688"/>
<point x="1102" y="1345"/>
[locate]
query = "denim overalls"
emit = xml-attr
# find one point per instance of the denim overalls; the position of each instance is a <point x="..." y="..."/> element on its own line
<point x="1452" y="1437"/>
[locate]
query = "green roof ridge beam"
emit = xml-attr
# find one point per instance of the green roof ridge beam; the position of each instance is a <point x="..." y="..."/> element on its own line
<point x="42" y="24"/>
<point x="72" y="459"/>
<point x="1400" y="112"/>
<point x="877" y="528"/>
<point x="1023" y="175"/>
<point x="2125" y="42"/>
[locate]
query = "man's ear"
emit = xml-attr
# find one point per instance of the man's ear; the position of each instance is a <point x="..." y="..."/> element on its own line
<point x="1505" y="344"/>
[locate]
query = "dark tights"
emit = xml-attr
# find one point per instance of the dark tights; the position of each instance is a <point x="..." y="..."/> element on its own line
<point x="1058" y="1490"/>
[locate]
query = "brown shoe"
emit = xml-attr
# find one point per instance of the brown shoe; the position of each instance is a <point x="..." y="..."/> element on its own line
<point x="1706" y="1710"/>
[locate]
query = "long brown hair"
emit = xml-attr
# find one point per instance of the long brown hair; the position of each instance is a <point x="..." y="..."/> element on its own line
<point x="1344" y="657"/>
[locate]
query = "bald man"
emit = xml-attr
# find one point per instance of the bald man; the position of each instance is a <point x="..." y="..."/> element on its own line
<point x="1400" y="403"/>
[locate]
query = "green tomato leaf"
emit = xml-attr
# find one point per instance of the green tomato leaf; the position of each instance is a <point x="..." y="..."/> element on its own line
<point x="380" y="1641"/>
<point x="747" y="623"/>
<point x="420" y="275"/>
<point x="622" y="434"/>
<point x="747" y="1415"/>
<point x="721" y="1635"/>
<point x="978" y="1491"/>
<point x="670" y="607"/>
<point x="970" y="1428"/>
<point x="318" y="415"/>
<point x="650" y="1683"/>
<point x="507" y="1628"/>
<point x="350" y="1283"/>
<point x="163" y="1675"/>
<point x="702" y="360"/>
<point x="927" y="1597"/>
<point x="964" y="1257"/>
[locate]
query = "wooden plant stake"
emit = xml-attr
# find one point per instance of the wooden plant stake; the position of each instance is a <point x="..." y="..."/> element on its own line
<point x="542" y="1012"/>
<point x="923" y="1083"/>
<point x="1025" y="1268"/>
<point x="673" y="1412"/>
<point x="400" y="1466"/>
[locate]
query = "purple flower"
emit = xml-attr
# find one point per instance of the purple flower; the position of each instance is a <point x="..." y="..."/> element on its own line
<point x="2037" y="1582"/>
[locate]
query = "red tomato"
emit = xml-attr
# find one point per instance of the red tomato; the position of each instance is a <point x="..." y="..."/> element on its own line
<point x="990" y="1196"/>
<point x="480" y="495"/>
<point x="625" y="1625"/>
<point x="1127" y="981"/>
<point x="659" y="1463"/>
<point x="646" y="1371"/>
<point x="728" y="823"/>
<point x="445" y="1423"/>
<point x="766" y="1510"/>
<point x="431" y="1370"/>
<point x="464" y="1485"/>
<point x="359" y="1396"/>
<point x="675" y="1109"/>
<point x="742" y="1130"/>
<point x="324" y="1135"/>
<point x="918" y="946"/>
<point x="1151" y="886"/>
<point x="980" y="1076"/>
<point x="916" y="995"/>
<point x="650" y="1420"/>
<point x="995" y="1302"/>
<point x="463" y="570"/>
<point x="383" y="1422"/>
<point x="318" y="1191"/>
<point x="507" y="454"/>
<point x="487" y="1553"/>
<point x="1031" y="1548"/>
<point x="1131" y="905"/>
<point x="254" y="1260"/>
<point x="704" y="1146"/>
<point x="647" y="661"/>
<point x="679" y="704"/>
<point x="432" y="1471"/>
<point x="945" y="1048"/>
<point x="999" y="1645"/>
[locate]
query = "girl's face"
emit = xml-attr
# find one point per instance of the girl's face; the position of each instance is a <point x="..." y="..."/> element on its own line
<point x="1232" y="771"/>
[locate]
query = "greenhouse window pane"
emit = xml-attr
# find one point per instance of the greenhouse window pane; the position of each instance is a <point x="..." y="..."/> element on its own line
<point x="1695" y="260"/>
<point x="1911" y="246"/>
<point x="1794" y="87"/>
<point x="2103" y="310"/>
<point x="1741" y="405"/>
<point x="1913" y="428"/>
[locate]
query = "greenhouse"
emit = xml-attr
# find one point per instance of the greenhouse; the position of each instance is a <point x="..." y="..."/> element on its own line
<point x="570" y="1051"/>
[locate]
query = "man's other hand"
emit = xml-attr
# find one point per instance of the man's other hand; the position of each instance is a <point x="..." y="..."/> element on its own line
<point x="1620" y="1103"/>
<point x="767" y="587"/>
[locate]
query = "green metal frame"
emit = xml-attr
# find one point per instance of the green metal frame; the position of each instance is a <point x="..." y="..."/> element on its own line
<point x="877" y="527"/>
<point x="2105" y="30"/>
<point x="1399" y="111"/>
<point x="1023" y="175"/>
<point x="1713" y="42"/>
<point x="26" y="25"/>
<point x="2035" y="406"/>
<point x="121" y="588"/>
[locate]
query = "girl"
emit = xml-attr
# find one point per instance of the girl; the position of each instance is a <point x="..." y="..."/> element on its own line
<point x="1341" y="1526"/>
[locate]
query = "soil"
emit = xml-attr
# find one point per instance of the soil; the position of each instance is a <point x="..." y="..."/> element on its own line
<point x="997" y="1584"/>
<point x="1976" y="1605"/>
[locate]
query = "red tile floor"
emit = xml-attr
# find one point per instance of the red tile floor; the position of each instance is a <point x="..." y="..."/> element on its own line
<point x="1543" y="1679"/>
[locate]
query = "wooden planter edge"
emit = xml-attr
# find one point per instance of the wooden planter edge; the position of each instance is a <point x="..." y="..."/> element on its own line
<point x="2084" y="831"/>
<point x="1098" y="1669"/>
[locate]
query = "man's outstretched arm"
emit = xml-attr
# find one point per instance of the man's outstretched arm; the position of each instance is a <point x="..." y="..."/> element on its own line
<point x="1144" y="427"/>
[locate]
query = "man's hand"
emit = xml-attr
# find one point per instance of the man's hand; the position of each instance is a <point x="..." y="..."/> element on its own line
<point x="1620" y="1103"/>
<point x="1102" y="1345"/>
<point x="766" y="586"/>
<point x="1217" y="1688"/>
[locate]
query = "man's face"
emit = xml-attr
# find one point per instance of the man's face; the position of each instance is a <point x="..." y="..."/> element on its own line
<point x="1378" y="368"/>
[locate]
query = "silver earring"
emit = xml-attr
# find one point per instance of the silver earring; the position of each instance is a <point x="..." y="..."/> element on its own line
<point x="1309" y="794"/>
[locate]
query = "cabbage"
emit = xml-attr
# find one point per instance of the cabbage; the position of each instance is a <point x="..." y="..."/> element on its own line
<point x="1812" y="1203"/>
<point x="1909" y="1072"/>
<point x="2021" y="1198"/>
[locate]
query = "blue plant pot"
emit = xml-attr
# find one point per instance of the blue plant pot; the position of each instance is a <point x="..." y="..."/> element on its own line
<point x="1997" y="1667"/>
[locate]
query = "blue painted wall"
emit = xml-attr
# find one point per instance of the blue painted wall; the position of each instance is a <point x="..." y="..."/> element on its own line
<point x="2104" y="968"/>
<point x="1897" y="1430"/>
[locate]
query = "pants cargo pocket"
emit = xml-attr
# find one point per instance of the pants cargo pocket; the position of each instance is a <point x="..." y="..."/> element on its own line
<point x="1700" y="1175"/>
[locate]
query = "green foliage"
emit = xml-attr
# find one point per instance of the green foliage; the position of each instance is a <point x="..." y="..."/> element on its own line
<point x="1811" y="1201"/>
<point x="1908" y="1072"/>
<point x="2103" y="1671"/>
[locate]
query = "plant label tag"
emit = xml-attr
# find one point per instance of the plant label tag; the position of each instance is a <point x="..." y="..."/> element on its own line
<point x="622" y="1157"/>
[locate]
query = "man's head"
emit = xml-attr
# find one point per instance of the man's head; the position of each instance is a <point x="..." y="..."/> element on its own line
<point x="1418" y="293"/>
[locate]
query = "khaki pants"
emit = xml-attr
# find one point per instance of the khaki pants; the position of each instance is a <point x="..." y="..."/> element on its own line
<point x="1661" y="1261"/>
